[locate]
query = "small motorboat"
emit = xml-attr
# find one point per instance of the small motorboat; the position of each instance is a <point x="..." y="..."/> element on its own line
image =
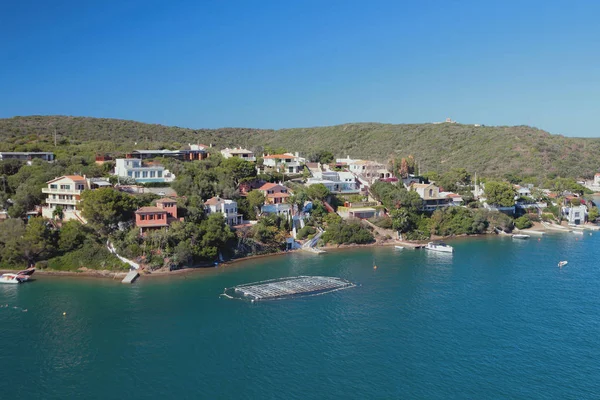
<point x="577" y="232"/>
<point x="399" y="247"/>
<point x="439" y="246"/>
<point x="19" y="277"/>
<point x="562" y="263"/>
<point x="520" y="236"/>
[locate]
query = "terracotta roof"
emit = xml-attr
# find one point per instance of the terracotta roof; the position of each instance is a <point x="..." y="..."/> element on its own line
<point x="165" y="200"/>
<point x="71" y="177"/>
<point x="453" y="195"/>
<point x="148" y="210"/>
<point x="268" y="186"/>
<point x="213" y="201"/>
<point x="278" y="195"/>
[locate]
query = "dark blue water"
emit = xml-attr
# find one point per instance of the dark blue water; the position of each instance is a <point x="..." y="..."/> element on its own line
<point x="497" y="320"/>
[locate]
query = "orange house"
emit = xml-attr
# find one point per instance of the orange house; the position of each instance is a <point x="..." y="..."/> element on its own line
<point x="157" y="217"/>
<point x="275" y="193"/>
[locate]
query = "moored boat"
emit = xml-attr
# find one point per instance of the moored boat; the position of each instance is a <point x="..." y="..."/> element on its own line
<point x="399" y="247"/>
<point x="439" y="246"/>
<point x="562" y="263"/>
<point x="19" y="277"/>
<point x="520" y="236"/>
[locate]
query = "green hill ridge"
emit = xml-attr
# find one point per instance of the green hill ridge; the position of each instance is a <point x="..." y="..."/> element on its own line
<point x="487" y="150"/>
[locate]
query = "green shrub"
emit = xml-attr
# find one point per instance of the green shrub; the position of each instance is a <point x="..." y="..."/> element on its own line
<point x="523" y="222"/>
<point x="305" y="232"/>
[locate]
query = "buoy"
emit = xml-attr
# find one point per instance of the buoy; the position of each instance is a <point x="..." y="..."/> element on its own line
<point x="64" y="313"/>
<point x="374" y="266"/>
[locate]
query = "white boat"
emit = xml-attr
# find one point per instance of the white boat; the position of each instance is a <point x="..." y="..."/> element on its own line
<point x="439" y="246"/>
<point x="19" y="277"/>
<point x="520" y="236"/>
<point x="562" y="263"/>
<point x="577" y="232"/>
<point x="399" y="247"/>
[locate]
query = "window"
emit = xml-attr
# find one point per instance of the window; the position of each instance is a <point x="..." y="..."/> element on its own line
<point x="151" y="217"/>
<point x="130" y="174"/>
<point x="65" y="187"/>
<point x="143" y="217"/>
<point x="159" y="174"/>
<point x="152" y="173"/>
<point x="53" y="187"/>
<point x="80" y="186"/>
<point x="137" y="174"/>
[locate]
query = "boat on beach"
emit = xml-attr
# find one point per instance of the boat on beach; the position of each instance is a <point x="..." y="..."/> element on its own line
<point x="439" y="246"/>
<point x="520" y="236"/>
<point x="19" y="277"/>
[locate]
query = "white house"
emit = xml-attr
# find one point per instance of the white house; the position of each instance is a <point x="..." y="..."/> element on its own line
<point x="286" y="163"/>
<point x="226" y="207"/>
<point x="64" y="193"/>
<point x="342" y="182"/>
<point x="576" y="214"/>
<point x="240" y="153"/>
<point x="142" y="172"/>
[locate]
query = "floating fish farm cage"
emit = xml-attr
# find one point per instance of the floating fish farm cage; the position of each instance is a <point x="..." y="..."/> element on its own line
<point x="283" y="288"/>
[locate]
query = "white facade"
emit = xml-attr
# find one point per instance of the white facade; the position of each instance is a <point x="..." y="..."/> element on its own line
<point x="240" y="153"/>
<point x="64" y="192"/>
<point x="576" y="215"/>
<point x="134" y="168"/>
<point x="286" y="163"/>
<point x="226" y="207"/>
<point x="336" y="182"/>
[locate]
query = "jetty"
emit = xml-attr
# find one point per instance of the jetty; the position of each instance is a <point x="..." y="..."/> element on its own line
<point x="282" y="288"/>
<point x="409" y="245"/>
<point x="311" y="245"/>
<point x="131" y="276"/>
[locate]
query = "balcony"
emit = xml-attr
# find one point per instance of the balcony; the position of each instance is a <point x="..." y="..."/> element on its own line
<point x="62" y="191"/>
<point x="62" y="201"/>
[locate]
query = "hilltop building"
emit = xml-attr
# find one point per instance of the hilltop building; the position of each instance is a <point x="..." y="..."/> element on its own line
<point x="26" y="156"/>
<point x="240" y="153"/>
<point x="183" y="155"/>
<point x="142" y="172"/>
<point x="286" y="163"/>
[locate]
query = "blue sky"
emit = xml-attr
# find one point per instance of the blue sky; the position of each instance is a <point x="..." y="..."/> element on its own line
<point x="277" y="64"/>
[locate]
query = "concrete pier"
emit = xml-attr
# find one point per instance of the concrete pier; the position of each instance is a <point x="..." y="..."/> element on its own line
<point x="131" y="276"/>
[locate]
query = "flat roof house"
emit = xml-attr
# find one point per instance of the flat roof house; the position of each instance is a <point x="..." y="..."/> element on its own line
<point x="244" y="154"/>
<point x="134" y="168"/>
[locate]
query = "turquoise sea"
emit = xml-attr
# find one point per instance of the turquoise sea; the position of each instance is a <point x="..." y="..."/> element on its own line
<point x="497" y="320"/>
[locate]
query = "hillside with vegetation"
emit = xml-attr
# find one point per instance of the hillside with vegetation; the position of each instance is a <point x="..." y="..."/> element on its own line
<point x="489" y="151"/>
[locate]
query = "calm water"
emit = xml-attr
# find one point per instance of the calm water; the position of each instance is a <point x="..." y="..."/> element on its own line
<point x="498" y="319"/>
